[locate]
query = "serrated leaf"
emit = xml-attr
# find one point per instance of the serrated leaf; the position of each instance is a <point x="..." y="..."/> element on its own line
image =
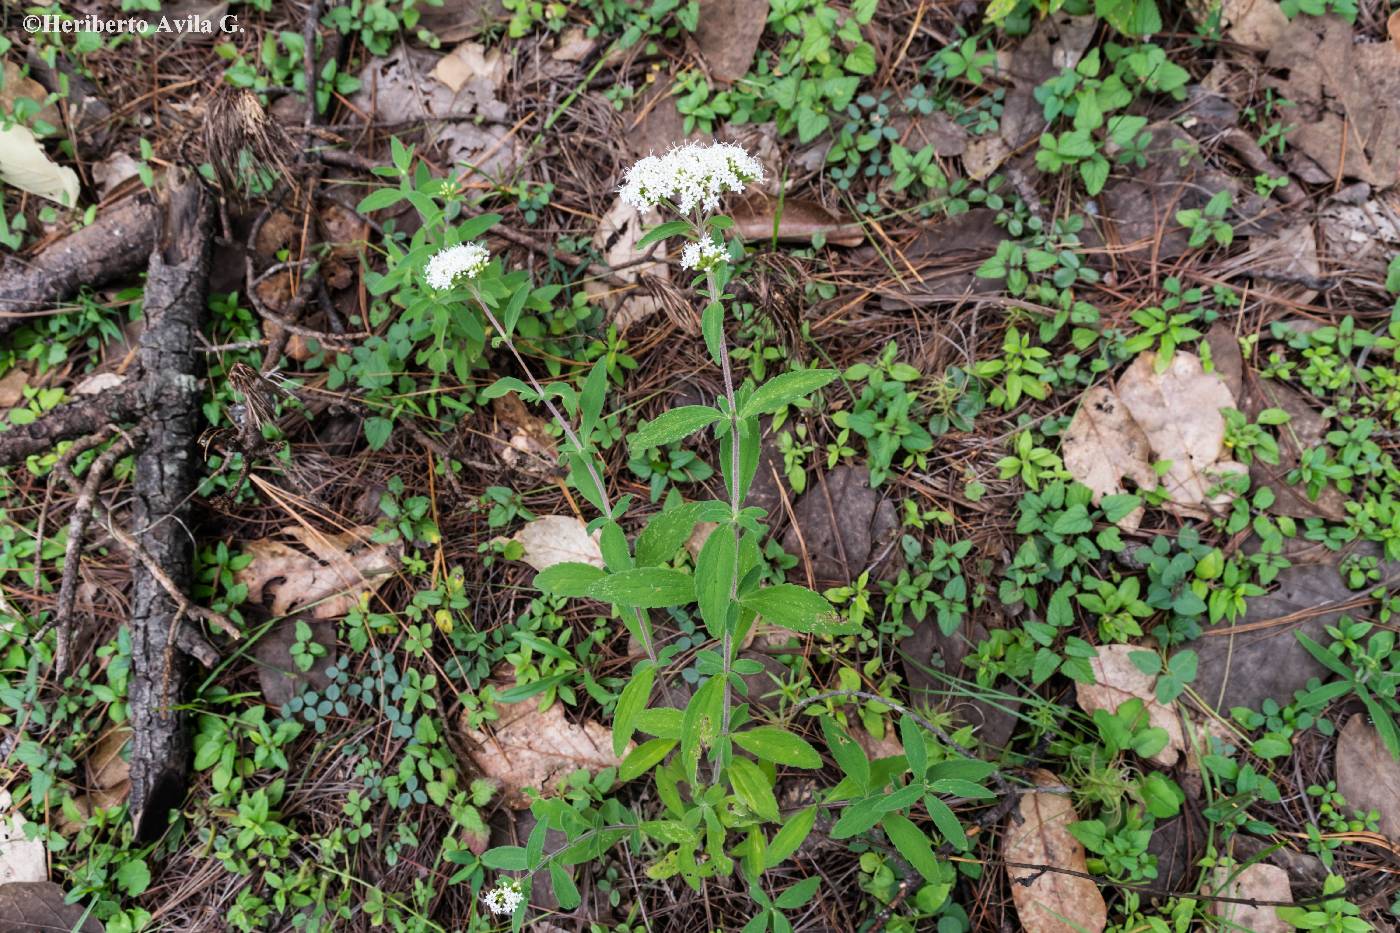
<point x="797" y="609"/>
<point x="785" y="389"/>
<point x="645" y="588"/>
<point x="671" y="426"/>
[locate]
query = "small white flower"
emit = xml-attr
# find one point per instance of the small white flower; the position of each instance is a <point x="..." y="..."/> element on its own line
<point x="466" y="259"/>
<point x="503" y="899"/>
<point x="690" y="175"/>
<point x="703" y="255"/>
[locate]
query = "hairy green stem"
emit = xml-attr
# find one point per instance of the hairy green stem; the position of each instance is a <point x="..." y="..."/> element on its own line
<point x="643" y="625"/>
<point x="727" y="642"/>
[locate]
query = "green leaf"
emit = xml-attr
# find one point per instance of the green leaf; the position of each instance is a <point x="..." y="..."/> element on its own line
<point x="630" y="705"/>
<point x="915" y="751"/>
<point x="377" y="431"/>
<point x="861" y="59"/>
<point x="645" y="588"/>
<point x="912" y="844"/>
<point x="1271" y="747"/>
<point x="715" y="571"/>
<point x="779" y="746"/>
<point x="947" y="822"/>
<point x="798" y="894"/>
<point x="378" y="200"/>
<point x="662" y="231"/>
<point x="506" y="858"/>
<point x="565" y="891"/>
<point x="859" y="817"/>
<point x="134" y="877"/>
<point x="672" y="426"/>
<point x="787" y="840"/>
<point x="666" y="531"/>
<point x="712" y="327"/>
<point x="641" y="760"/>
<point x="849" y="755"/>
<point x="752" y="787"/>
<point x="785" y="389"/>
<point x="798" y="609"/>
<point x="568" y="579"/>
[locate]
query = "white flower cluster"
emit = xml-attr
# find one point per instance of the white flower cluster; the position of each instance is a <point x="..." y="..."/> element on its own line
<point x="466" y="259"/>
<point x="703" y="255"/>
<point x="503" y="899"/>
<point x="690" y="175"/>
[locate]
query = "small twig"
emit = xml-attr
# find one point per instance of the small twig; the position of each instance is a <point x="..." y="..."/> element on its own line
<point x="182" y="603"/>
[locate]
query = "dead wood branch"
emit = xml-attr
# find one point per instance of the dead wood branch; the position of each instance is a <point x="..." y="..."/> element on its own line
<point x="166" y="476"/>
<point x="115" y="245"/>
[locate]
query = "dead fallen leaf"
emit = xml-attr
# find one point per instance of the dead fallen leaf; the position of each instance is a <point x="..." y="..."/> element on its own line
<point x="1259" y="882"/>
<point x="529" y="748"/>
<point x="455" y="20"/>
<point x="1361" y="236"/>
<point x="1179" y="412"/>
<point x="327" y="581"/>
<point x="845" y="526"/>
<point x="798" y="219"/>
<point x="530" y="448"/>
<point x="1346" y="95"/>
<point x="874" y="748"/>
<point x="1367" y="775"/>
<point x="555" y="539"/>
<point x="1265" y="659"/>
<point x="108" y="772"/>
<point x="1049" y="901"/>
<point x="21" y="859"/>
<point x="25" y="165"/>
<point x="946" y="255"/>
<point x="40" y="905"/>
<point x="15" y="85"/>
<point x="653" y="124"/>
<point x="1254" y="24"/>
<point x="398" y="87"/>
<point x="931" y="658"/>
<point x="98" y="383"/>
<point x="1117" y="682"/>
<point x="12" y="386"/>
<point x="574" y="45"/>
<point x="1103" y="444"/>
<point x="470" y="61"/>
<point x="728" y="34"/>
<point x="279" y="676"/>
<point x="618" y="232"/>
<point x="1392" y="26"/>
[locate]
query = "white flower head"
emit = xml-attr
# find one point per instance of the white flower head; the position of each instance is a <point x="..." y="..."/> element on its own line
<point x="503" y="899"/>
<point x="447" y="265"/>
<point x="690" y="175"/>
<point x="703" y="256"/>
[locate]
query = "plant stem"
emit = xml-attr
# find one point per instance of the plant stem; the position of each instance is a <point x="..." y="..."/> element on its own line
<point x="643" y="624"/>
<point x="727" y="643"/>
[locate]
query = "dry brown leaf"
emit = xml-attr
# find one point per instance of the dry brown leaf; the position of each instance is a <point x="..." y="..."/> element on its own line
<point x="1367" y="775"/>
<point x="618" y="232"/>
<point x="17" y="85"/>
<point x="574" y="45"/>
<point x="529" y="748"/>
<point x="1103" y="444"/>
<point x="1259" y="882"/>
<point x="108" y="773"/>
<point x="797" y="219"/>
<point x="1049" y="901"/>
<point x="530" y="448"/>
<point x="12" y="387"/>
<point x="1346" y="95"/>
<point x="470" y="61"/>
<point x="728" y="34"/>
<point x="333" y="576"/>
<point x="1179" y="412"/>
<point x="41" y="905"/>
<point x="1392" y="26"/>
<point x="874" y="748"/>
<point x="556" y="539"/>
<point x="1254" y="24"/>
<point x="1117" y="682"/>
<point x="21" y="859"/>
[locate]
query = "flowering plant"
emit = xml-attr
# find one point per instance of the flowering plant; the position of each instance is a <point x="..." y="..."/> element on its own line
<point x="713" y="765"/>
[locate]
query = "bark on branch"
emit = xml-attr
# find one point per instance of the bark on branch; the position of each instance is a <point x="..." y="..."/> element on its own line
<point x="166" y="476"/>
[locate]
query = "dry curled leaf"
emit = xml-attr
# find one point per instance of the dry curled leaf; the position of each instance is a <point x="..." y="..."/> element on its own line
<point x="25" y="165"/>
<point x="1258" y="882"/>
<point x="1367" y="775"/>
<point x="797" y="219"/>
<point x="467" y="62"/>
<point x="1178" y="410"/>
<point x="1050" y="901"/>
<point x="557" y="539"/>
<point x="530" y="748"/>
<point x="327" y="576"/>
<point x="617" y="235"/>
<point x="1103" y="444"/>
<point x="108" y="772"/>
